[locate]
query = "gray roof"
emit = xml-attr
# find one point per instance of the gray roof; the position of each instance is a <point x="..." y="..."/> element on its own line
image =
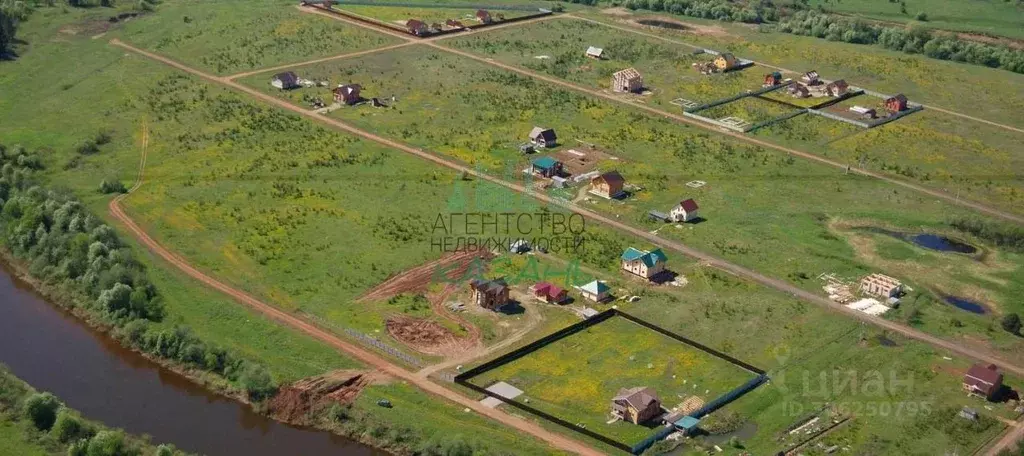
<point x="489" y="286"/>
<point x="546" y="133"/>
<point x="639" y="397"/>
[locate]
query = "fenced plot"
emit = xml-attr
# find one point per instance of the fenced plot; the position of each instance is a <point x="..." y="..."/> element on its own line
<point x="570" y="377"/>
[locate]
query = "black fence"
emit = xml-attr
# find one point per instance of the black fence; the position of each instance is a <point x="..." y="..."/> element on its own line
<point x="465" y="377"/>
<point x="429" y="34"/>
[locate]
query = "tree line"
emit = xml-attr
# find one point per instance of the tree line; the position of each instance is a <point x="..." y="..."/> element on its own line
<point x="54" y="426"/>
<point x="911" y="40"/>
<point x="13" y="12"/>
<point x="77" y="254"/>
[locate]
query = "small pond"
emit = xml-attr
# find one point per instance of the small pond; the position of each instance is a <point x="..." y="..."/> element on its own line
<point x="928" y="241"/>
<point x="966" y="304"/>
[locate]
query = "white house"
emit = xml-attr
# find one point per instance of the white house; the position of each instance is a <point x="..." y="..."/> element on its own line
<point x="684" y="211"/>
<point x="595" y="291"/>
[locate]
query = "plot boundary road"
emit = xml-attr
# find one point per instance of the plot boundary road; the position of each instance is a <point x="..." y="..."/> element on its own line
<point x="433" y="42"/>
<point x="780" y="285"/>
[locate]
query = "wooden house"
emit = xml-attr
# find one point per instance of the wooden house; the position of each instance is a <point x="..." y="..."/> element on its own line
<point x="452" y="23"/>
<point x="546" y="167"/>
<point x="811" y="78"/>
<point x="489" y="294"/>
<point x="628" y="80"/>
<point x="881" y="285"/>
<point x="799" y="91"/>
<point x="636" y="405"/>
<point x="595" y="52"/>
<point x="549" y="293"/>
<point x="543" y="137"/>
<point x="726" y="61"/>
<point x="983" y="380"/>
<point x="348" y="94"/>
<point x="596" y="291"/>
<point x="484" y="16"/>
<point x="285" y="81"/>
<point x="837" y="88"/>
<point x="685" y="211"/>
<point x="417" y="27"/>
<point x="643" y="263"/>
<point x="608" y="185"/>
<point x="896" y="103"/>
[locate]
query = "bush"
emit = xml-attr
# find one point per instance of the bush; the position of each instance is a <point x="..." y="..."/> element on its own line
<point x="112" y="186"/>
<point x="1011" y="323"/>
<point x="69" y="427"/>
<point x="106" y="443"/>
<point x="41" y="409"/>
<point x="257" y="382"/>
<point x="922" y="16"/>
<point x="88" y="147"/>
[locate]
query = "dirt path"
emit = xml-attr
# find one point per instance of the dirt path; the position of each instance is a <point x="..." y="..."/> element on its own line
<point x="365" y="356"/>
<point x="1010" y="439"/>
<point x="784" y="70"/>
<point x="710" y="260"/>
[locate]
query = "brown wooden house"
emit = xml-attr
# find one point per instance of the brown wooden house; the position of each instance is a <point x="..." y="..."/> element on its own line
<point x="348" y="94"/>
<point x="983" y="380"/>
<point x="549" y="293"/>
<point x="417" y="27"/>
<point x="608" y="185"/>
<point x="484" y="16"/>
<point x="489" y="294"/>
<point x="896" y="103"/>
<point x="636" y="405"/>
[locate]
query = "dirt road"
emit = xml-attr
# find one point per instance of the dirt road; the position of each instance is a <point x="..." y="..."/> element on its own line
<point x="1009" y="441"/>
<point x="784" y="70"/>
<point x="979" y="354"/>
<point x="556" y="440"/>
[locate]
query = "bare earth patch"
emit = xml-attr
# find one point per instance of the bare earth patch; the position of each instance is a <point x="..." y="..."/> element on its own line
<point x="294" y="403"/>
<point x="673" y="24"/>
<point x="427" y="336"/>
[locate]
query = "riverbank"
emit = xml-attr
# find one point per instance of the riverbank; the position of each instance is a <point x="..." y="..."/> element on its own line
<point x="35" y="423"/>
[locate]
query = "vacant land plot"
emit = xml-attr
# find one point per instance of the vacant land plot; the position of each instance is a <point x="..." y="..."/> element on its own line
<point x="224" y="38"/>
<point x="992" y="17"/>
<point x="750" y="109"/>
<point x="757" y="203"/>
<point x="576" y="377"/>
<point x="397" y="16"/>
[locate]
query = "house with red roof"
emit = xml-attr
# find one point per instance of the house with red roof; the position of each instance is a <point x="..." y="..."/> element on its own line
<point x="983" y="380"/>
<point x="685" y="211"/>
<point x="549" y="293"/>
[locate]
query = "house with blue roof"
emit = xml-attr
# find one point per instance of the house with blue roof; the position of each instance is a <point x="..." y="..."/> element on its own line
<point x="644" y="263"/>
<point x="596" y="291"/>
<point x="546" y="166"/>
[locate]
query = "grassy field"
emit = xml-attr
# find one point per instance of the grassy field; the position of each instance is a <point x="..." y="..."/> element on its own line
<point x="944" y="152"/>
<point x="757" y="203"/>
<point x="397" y="16"/>
<point x="12" y="440"/>
<point x="576" y="377"/>
<point x="222" y="38"/>
<point x="991" y="17"/>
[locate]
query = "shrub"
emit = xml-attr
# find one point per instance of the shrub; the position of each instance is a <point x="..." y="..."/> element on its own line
<point x="257" y="382"/>
<point x="106" y="443"/>
<point x="112" y="186"/>
<point x="1011" y="323"/>
<point x="41" y="409"/>
<point x="69" y="427"/>
<point x="922" y="16"/>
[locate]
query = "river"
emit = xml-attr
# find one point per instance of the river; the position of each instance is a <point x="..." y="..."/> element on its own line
<point x="53" y="351"/>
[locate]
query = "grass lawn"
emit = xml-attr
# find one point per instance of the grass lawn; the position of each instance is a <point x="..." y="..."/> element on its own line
<point x="12" y="440"/>
<point x="222" y="38"/>
<point x="991" y="17"/>
<point x="576" y="377"/>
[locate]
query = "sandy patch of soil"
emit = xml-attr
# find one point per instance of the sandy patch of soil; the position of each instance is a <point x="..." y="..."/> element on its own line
<point x="427" y="336"/>
<point x="296" y="402"/>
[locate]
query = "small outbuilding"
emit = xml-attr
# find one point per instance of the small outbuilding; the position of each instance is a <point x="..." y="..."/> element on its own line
<point x="643" y="263"/>
<point x="685" y="211"/>
<point x="452" y="23"/>
<point x="837" y="88"/>
<point x="543" y="137"/>
<point x="489" y="294"/>
<point x="772" y="79"/>
<point x="595" y="52"/>
<point x="726" y="61"/>
<point x="348" y="94"/>
<point x="549" y="293"/>
<point x="799" y="91"/>
<point x="881" y="285"/>
<point x="983" y="380"/>
<point x="608" y="185"/>
<point x="596" y="291"/>
<point x="896" y="103"/>
<point x="484" y="16"/>
<point x="519" y="246"/>
<point x="285" y="81"/>
<point x="811" y="77"/>
<point x="628" y="80"/>
<point x="687" y="425"/>
<point x="546" y="167"/>
<point x="636" y="405"/>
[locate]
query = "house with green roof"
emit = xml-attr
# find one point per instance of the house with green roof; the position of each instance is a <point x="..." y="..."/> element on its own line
<point x="546" y="166"/>
<point x="644" y="263"/>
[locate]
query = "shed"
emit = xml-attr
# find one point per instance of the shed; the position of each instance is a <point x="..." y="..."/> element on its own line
<point x="608" y="185"/>
<point x="519" y="246"/>
<point x="285" y="81"/>
<point x="589" y="313"/>
<point x="596" y="291"/>
<point x="628" y="80"/>
<point x="968" y="413"/>
<point x="546" y="166"/>
<point x="543" y="137"/>
<point x="726" y="61"/>
<point x="811" y="77"/>
<point x="799" y="91"/>
<point x="417" y="27"/>
<point x="484" y="16"/>
<point x="687" y="425"/>
<point x="595" y="52"/>
<point x="685" y="211"/>
<point x="837" y="88"/>
<point x="772" y="79"/>
<point x="454" y="24"/>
